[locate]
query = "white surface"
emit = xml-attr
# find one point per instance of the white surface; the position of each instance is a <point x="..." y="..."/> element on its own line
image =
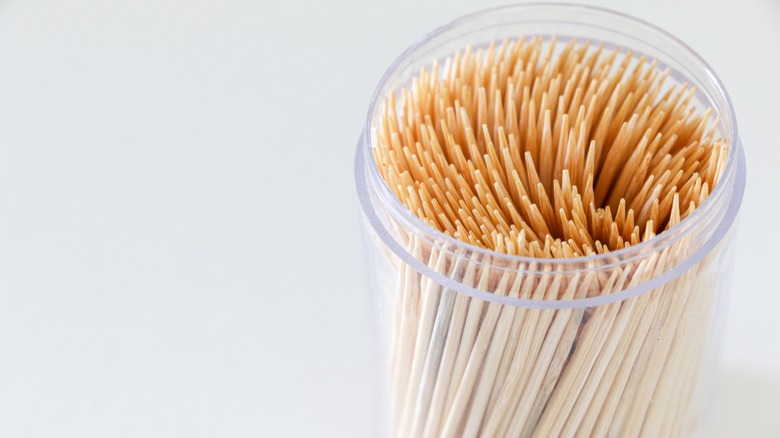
<point x="180" y="245"/>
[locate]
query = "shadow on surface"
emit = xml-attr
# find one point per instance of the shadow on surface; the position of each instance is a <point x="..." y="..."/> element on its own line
<point x="746" y="405"/>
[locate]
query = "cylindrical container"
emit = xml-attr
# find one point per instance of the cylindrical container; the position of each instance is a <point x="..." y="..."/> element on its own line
<point x="480" y="343"/>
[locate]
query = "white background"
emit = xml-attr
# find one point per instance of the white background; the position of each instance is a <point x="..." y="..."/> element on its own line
<point x="179" y="229"/>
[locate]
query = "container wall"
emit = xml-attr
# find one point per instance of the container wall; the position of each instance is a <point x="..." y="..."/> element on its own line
<point x="463" y="366"/>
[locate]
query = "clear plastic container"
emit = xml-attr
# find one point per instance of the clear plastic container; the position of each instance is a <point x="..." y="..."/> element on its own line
<point x="474" y="343"/>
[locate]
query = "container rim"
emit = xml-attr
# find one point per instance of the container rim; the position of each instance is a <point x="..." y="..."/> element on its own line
<point x="366" y="171"/>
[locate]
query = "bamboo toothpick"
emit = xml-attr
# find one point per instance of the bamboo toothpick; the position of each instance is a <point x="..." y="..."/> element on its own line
<point x="547" y="150"/>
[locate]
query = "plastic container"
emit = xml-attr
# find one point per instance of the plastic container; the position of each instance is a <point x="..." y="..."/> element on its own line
<point x="466" y="357"/>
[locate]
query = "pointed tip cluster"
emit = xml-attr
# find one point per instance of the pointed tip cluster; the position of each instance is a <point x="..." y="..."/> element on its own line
<point x="535" y="150"/>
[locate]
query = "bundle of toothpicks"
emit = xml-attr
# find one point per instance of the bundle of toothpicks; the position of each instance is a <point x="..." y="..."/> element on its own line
<point x="547" y="150"/>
